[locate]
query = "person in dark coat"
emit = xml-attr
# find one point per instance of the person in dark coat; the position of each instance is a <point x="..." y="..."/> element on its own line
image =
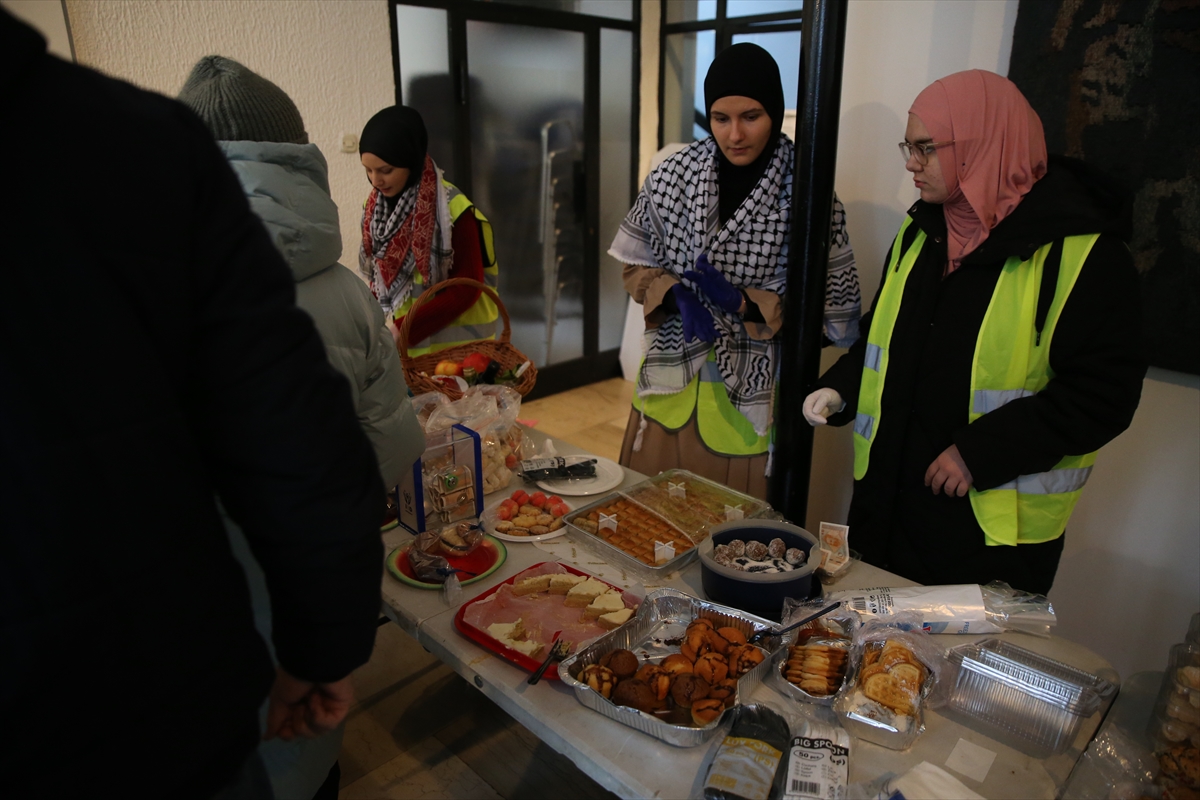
<point x="152" y="361"/>
<point x="946" y="493"/>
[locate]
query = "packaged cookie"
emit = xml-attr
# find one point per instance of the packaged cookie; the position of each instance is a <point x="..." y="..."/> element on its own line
<point x="899" y="670"/>
<point x="817" y="664"/>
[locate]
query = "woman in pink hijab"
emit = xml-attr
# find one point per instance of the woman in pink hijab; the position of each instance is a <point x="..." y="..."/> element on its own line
<point x="1003" y="347"/>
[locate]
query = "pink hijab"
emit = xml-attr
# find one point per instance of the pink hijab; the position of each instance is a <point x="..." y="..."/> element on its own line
<point x="999" y="152"/>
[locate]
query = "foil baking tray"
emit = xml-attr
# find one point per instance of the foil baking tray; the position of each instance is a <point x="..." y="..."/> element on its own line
<point x="694" y="504"/>
<point x="618" y="557"/>
<point x="662" y="618"/>
<point x="841" y="623"/>
<point x="1032" y="702"/>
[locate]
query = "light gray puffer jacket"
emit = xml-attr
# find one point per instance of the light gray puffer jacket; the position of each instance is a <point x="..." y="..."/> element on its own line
<point x="288" y="188"/>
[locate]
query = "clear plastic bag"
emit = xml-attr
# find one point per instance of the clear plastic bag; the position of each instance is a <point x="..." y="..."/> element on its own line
<point x="1016" y="610"/>
<point x="1114" y="767"/>
<point x="966" y="608"/>
<point x="429" y="550"/>
<point x="827" y="639"/>
<point x="474" y="410"/>
<point x="424" y="404"/>
<point x="900" y="674"/>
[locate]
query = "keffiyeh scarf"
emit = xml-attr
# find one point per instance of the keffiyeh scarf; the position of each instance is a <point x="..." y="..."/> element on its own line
<point x="674" y="220"/>
<point x="413" y="236"/>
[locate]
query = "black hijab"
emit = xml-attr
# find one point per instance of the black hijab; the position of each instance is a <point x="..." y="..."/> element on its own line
<point x="397" y="135"/>
<point x="744" y="70"/>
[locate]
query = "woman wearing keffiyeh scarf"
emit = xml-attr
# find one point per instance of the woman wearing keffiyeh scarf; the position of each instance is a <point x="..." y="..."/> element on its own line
<point x="705" y="248"/>
<point x="412" y="240"/>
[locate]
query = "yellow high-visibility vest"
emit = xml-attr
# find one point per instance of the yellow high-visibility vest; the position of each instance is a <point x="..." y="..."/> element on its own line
<point x="1011" y="361"/>
<point x="722" y="428"/>
<point x="478" y="321"/>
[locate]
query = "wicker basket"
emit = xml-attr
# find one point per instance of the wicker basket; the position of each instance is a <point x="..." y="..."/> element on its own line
<point x="419" y="370"/>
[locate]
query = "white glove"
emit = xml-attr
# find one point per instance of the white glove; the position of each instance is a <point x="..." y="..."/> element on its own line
<point x="820" y="404"/>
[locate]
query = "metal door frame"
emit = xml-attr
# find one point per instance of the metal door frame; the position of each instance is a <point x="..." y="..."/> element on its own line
<point x="726" y="28"/>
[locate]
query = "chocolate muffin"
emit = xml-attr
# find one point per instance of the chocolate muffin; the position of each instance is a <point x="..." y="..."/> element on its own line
<point x="687" y="689"/>
<point x="635" y="694"/>
<point x="623" y="663"/>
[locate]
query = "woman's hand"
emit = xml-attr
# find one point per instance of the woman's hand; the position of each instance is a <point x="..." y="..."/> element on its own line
<point x="820" y="404"/>
<point x="697" y="322"/>
<point x="715" y="287"/>
<point x="948" y="471"/>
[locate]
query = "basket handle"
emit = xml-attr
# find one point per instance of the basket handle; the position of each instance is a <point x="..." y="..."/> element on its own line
<point x="428" y="294"/>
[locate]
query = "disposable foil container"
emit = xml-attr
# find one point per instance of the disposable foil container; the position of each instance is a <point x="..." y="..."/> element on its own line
<point x="779" y="682"/>
<point x="1034" y="703"/>
<point x="654" y="633"/>
<point x="652" y="573"/>
<point x="835" y="629"/>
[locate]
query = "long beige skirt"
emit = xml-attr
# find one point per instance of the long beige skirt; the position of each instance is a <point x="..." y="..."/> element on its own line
<point x="683" y="449"/>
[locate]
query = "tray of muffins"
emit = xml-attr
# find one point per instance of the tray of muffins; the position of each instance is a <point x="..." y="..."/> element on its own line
<point x="675" y="669"/>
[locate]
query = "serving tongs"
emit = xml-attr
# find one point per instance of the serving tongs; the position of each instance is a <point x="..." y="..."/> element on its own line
<point x="558" y="651"/>
<point x="765" y="633"/>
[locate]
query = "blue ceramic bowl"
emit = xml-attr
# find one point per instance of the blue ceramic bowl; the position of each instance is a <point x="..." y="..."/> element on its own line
<point x="759" y="593"/>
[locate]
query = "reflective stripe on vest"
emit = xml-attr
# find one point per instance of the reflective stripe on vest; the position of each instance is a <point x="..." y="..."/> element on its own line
<point x="1010" y="363"/>
<point x="722" y="428"/>
<point x="879" y="338"/>
<point x="478" y="321"/>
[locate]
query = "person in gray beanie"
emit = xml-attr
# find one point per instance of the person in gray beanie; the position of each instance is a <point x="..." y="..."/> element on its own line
<point x="285" y="179"/>
<point x="239" y="105"/>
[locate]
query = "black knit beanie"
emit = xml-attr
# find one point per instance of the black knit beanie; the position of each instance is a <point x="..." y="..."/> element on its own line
<point x="238" y="104"/>
<point x="397" y="135"/>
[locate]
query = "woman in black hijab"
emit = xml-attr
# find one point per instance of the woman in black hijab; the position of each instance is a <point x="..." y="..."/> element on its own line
<point x="416" y="233"/>
<point x="705" y="248"/>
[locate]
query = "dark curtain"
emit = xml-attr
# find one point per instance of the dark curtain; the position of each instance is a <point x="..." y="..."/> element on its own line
<point x="1117" y="84"/>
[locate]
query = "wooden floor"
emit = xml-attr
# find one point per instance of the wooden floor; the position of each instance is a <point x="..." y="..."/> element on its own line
<point x="418" y="730"/>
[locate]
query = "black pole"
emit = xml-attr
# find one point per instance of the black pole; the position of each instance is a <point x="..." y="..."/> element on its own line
<point x="823" y="40"/>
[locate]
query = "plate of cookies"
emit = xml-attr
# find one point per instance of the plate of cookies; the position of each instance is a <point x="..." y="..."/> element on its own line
<point x="524" y="517"/>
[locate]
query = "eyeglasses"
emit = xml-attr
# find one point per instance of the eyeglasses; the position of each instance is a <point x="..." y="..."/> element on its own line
<point x="921" y="150"/>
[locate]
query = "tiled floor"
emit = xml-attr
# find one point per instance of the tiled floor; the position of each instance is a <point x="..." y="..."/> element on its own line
<point x="418" y="730"/>
<point x="592" y="417"/>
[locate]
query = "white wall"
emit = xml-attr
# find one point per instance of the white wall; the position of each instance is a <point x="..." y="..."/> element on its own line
<point x="333" y="57"/>
<point x="49" y="18"/>
<point x="1130" y="574"/>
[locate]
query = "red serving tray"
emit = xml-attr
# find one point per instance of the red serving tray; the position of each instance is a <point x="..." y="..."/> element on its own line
<point x="484" y="640"/>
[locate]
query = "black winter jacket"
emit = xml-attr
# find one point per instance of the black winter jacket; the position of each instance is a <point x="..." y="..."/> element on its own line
<point x="151" y="359"/>
<point x="894" y="519"/>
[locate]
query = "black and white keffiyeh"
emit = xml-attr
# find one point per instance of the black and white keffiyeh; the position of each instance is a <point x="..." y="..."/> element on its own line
<point x="674" y="220"/>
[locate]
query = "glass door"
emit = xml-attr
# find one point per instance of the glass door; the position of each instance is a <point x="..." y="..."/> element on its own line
<point x="533" y="110"/>
<point x="527" y="172"/>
